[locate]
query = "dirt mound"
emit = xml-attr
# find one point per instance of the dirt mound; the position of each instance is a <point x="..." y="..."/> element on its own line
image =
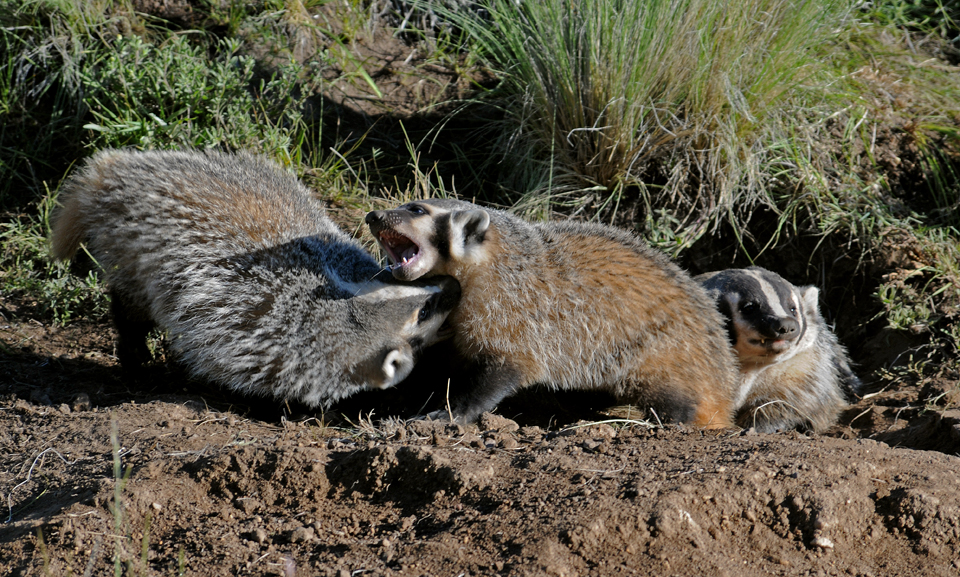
<point x="184" y="487"/>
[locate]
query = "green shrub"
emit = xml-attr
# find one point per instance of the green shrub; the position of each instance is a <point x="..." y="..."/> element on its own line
<point x="941" y="17"/>
<point x="175" y="95"/>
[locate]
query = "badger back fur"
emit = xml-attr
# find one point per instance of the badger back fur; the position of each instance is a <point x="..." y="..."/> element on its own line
<point x="794" y="371"/>
<point x="256" y="287"/>
<point x="568" y="305"/>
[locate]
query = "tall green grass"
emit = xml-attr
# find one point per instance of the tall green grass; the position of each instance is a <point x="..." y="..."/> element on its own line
<point x="680" y="99"/>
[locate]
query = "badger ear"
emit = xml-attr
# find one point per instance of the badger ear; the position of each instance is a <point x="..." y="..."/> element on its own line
<point x="471" y="225"/>
<point x="811" y="298"/>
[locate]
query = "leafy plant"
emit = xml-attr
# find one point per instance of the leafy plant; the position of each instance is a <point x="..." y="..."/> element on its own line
<point x="926" y="16"/>
<point x="173" y="94"/>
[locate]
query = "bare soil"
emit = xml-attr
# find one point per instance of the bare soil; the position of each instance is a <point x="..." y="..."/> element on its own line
<point x="198" y="481"/>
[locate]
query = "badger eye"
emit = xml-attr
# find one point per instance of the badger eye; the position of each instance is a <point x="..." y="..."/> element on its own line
<point x="749" y="307"/>
<point x="793" y="310"/>
<point x="416" y="209"/>
<point x="424" y="314"/>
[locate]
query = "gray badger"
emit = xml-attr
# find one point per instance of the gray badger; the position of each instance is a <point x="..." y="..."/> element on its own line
<point x="256" y="287"/>
<point x="794" y="372"/>
<point x="571" y="305"/>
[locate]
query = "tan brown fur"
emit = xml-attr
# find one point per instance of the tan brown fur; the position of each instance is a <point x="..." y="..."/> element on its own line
<point x="794" y="373"/>
<point x="579" y="306"/>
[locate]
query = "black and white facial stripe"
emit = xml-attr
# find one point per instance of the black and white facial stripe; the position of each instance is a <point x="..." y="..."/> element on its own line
<point x="769" y="304"/>
<point x="766" y="316"/>
<point x="794" y="371"/>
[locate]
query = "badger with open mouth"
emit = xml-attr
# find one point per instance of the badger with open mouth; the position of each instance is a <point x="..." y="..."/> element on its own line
<point x="794" y="371"/>
<point x="568" y="305"/>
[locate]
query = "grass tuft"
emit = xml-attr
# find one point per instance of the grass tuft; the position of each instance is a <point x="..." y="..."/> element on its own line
<point x="679" y="100"/>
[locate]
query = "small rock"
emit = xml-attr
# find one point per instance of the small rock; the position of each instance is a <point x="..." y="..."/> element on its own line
<point x="822" y="542"/>
<point x="302" y="535"/>
<point x="64" y="408"/>
<point x="606" y="431"/>
<point x="508" y="442"/>
<point x="531" y="431"/>
<point x="259" y="535"/>
<point x="247" y="504"/>
<point x="407" y="523"/>
<point x="471" y="440"/>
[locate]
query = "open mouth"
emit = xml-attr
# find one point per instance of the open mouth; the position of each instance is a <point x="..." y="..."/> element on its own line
<point x="400" y="249"/>
<point x="773" y="345"/>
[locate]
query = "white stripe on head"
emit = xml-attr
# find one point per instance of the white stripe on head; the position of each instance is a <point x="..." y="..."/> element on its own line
<point x="770" y="294"/>
<point x="380" y="290"/>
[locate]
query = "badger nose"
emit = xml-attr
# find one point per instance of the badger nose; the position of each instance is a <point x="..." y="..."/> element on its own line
<point x="787" y="328"/>
<point x="374" y="216"/>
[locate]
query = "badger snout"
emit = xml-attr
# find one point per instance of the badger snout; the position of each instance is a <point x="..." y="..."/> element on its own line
<point x="374" y="217"/>
<point x="449" y="292"/>
<point x="779" y="328"/>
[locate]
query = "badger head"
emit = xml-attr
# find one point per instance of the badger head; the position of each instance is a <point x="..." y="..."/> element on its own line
<point x="431" y="237"/>
<point x="768" y="319"/>
<point x="399" y="322"/>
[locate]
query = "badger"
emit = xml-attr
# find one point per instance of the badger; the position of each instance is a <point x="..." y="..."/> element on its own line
<point x="794" y="373"/>
<point x="257" y="289"/>
<point x="569" y="305"/>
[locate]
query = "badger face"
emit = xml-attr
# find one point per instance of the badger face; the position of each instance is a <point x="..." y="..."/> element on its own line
<point x="767" y="317"/>
<point x="430" y="237"/>
<point x="402" y="321"/>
